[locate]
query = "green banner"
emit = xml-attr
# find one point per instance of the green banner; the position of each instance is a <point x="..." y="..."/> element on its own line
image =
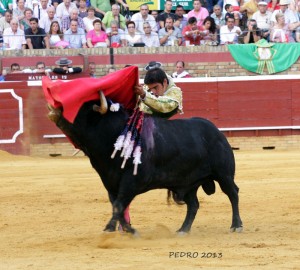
<point x="262" y="56"/>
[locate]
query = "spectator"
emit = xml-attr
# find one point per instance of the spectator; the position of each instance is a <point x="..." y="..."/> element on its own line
<point x="66" y="21"/>
<point x="25" y="23"/>
<point x="92" y="69"/>
<point x="6" y="5"/>
<point x="229" y="33"/>
<point x="15" y="68"/>
<point x="252" y="33"/>
<point x="34" y="4"/>
<point x="46" y="21"/>
<point x="40" y="10"/>
<point x="170" y="35"/>
<point x="13" y="37"/>
<point x="209" y="33"/>
<point x="280" y="32"/>
<point x="154" y="13"/>
<point x="289" y="16"/>
<point x="115" y="35"/>
<point x="82" y="9"/>
<point x="114" y="15"/>
<point x="56" y="37"/>
<point x="192" y="32"/>
<point x="263" y="19"/>
<point x="131" y="37"/>
<point x="111" y="69"/>
<point x="273" y="5"/>
<point x="75" y="36"/>
<point x="97" y="37"/>
<point x="5" y="21"/>
<point x="250" y="8"/>
<point x="88" y="21"/>
<point x="101" y="7"/>
<point x="41" y="68"/>
<point x="143" y="16"/>
<point x="149" y="37"/>
<point x="199" y="12"/>
<point x="36" y="37"/>
<point x="180" y="20"/>
<point x="230" y="13"/>
<point x="64" y="67"/>
<point x="18" y="12"/>
<point x="218" y="16"/>
<point x="180" y="72"/>
<point x="161" y="18"/>
<point x="64" y="9"/>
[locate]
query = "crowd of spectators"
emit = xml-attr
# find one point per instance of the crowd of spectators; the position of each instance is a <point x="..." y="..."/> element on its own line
<point x="38" y="24"/>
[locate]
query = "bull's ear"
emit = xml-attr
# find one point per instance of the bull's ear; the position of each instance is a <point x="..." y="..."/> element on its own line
<point x="102" y="109"/>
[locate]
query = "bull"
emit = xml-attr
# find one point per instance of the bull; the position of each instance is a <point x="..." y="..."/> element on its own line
<point x="178" y="155"/>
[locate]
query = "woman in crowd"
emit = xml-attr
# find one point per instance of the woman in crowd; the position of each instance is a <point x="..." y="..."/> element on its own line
<point x="18" y="12"/>
<point x="97" y="37"/>
<point x="56" y="37"/>
<point x="132" y="36"/>
<point x="25" y="23"/>
<point x="208" y="31"/>
<point x="88" y="21"/>
<point x="280" y="32"/>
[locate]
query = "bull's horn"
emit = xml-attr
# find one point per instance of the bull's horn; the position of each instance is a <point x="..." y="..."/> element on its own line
<point x="102" y="109"/>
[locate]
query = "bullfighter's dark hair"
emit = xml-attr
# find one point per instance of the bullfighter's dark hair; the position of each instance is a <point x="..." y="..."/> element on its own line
<point x="155" y="75"/>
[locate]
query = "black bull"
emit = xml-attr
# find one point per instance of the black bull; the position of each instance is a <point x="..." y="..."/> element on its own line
<point x="178" y="155"/>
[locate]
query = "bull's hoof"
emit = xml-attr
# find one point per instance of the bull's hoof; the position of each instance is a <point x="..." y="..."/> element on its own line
<point x="109" y="228"/>
<point x="238" y="229"/>
<point x="181" y="233"/>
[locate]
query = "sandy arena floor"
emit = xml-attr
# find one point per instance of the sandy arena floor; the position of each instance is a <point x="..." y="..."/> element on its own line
<point x="53" y="211"/>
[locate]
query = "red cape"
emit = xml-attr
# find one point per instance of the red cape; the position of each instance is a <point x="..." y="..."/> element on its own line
<point x="71" y="95"/>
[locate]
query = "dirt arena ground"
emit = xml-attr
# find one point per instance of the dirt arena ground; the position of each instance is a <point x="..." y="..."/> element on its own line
<point x="53" y="211"/>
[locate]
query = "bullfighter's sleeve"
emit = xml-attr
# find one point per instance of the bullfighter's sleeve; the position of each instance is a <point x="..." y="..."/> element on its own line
<point x="171" y="100"/>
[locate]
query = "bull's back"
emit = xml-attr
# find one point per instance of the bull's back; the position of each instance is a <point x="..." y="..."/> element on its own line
<point x="190" y="147"/>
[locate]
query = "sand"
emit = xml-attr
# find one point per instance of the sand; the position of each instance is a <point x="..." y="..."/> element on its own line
<point x="53" y="212"/>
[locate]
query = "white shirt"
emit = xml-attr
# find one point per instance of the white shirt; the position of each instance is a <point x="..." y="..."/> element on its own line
<point x="88" y="23"/>
<point x="152" y="40"/>
<point x="229" y="35"/>
<point x="39" y="12"/>
<point x="62" y="11"/>
<point x="263" y="20"/>
<point x="45" y="23"/>
<point x="139" y="20"/>
<point x="13" y="40"/>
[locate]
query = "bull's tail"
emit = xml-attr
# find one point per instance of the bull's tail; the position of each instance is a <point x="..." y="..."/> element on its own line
<point x="175" y="197"/>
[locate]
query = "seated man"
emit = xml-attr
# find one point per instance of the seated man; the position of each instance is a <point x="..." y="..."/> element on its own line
<point x="75" y="36"/>
<point x="41" y="68"/>
<point x="13" y="37"/>
<point x="64" y="67"/>
<point x="229" y="33"/>
<point x="36" y="37"/>
<point x="159" y="96"/>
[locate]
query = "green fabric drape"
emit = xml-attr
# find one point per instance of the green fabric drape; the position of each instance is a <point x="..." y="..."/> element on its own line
<point x="283" y="56"/>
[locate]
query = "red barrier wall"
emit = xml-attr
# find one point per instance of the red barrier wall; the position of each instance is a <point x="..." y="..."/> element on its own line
<point x="273" y="105"/>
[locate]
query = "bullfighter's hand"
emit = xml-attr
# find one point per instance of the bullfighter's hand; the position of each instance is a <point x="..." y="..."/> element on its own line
<point x="138" y="89"/>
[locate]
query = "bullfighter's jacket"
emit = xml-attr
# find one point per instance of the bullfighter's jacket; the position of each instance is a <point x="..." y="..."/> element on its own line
<point x="164" y="106"/>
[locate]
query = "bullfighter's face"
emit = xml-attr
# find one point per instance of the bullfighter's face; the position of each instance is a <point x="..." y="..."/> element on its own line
<point x="158" y="89"/>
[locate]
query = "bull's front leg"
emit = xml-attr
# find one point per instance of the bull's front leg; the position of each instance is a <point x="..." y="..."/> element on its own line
<point x="120" y="214"/>
<point x="112" y="224"/>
